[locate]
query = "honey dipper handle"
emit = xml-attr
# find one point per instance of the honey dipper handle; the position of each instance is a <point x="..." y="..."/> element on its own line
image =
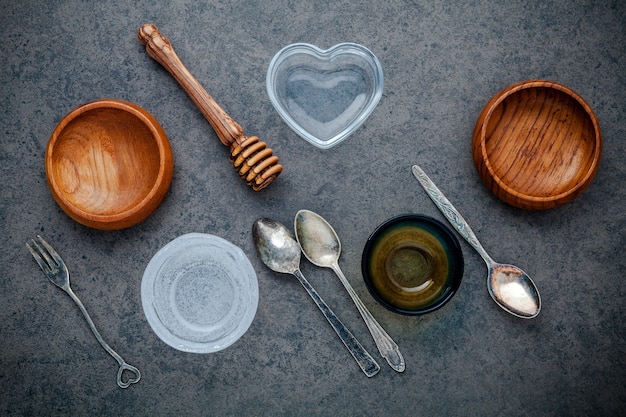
<point x="160" y="48"/>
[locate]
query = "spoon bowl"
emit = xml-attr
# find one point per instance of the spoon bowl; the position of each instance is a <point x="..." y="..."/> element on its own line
<point x="276" y="248"/>
<point x="510" y="287"/>
<point x="513" y="290"/>
<point x="321" y="245"/>
<point x="280" y="252"/>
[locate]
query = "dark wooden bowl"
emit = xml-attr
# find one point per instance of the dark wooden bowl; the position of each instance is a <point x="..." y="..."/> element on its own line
<point x="537" y="145"/>
<point x="109" y="164"/>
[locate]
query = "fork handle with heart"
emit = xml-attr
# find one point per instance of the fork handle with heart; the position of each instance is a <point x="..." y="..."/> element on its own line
<point x="253" y="160"/>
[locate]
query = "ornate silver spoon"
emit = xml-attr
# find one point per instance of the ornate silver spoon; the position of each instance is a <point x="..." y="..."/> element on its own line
<point x="321" y="245"/>
<point x="509" y="286"/>
<point x="281" y="253"/>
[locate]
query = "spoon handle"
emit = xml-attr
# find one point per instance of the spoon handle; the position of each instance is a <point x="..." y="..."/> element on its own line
<point x="358" y="352"/>
<point x="451" y="213"/>
<point x="386" y="346"/>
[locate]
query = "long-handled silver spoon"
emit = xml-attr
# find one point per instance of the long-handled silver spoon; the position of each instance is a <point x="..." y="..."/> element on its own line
<point x="509" y="286"/>
<point x="281" y="253"/>
<point x="321" y="245"/>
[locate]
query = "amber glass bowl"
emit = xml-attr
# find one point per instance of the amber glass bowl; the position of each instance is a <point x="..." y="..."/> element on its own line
<point x="412" y="264"/>
<point x="109" y="164"/>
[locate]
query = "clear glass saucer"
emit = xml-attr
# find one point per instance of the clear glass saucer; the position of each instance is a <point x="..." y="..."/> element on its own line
<point x="199" y="293"/>
<point x="324" y="95"/>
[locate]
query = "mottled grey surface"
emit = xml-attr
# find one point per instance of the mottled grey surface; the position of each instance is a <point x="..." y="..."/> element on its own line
<point x="442" y="61"/>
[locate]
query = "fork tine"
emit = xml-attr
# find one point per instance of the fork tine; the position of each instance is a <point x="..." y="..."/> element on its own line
<point x="43" y="252"/>
<point x="50" y="254"/>
<point x="36" y="254"/>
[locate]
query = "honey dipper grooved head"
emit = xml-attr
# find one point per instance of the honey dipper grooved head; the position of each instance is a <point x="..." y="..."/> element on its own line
<point x="255" y="162"/>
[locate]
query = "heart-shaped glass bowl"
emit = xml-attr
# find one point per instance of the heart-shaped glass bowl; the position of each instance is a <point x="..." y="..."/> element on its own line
<point x="324" y="95"/>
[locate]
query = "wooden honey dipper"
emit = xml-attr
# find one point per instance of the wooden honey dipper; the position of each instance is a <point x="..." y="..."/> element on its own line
<point x="254" y="161"/>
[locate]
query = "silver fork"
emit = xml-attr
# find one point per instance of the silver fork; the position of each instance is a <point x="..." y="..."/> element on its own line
<point x="55" y="269"/>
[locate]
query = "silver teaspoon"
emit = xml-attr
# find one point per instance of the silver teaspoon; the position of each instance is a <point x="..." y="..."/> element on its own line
<point x="280" y="252"/>
<point x="509" y="286"/>
<point x="321" y="245"/>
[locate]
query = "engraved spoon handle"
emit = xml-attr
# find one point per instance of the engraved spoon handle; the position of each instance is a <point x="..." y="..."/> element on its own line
<point x="451" y="213"/>
<point x="386" y="346"/>
<point x="358" y="352"/>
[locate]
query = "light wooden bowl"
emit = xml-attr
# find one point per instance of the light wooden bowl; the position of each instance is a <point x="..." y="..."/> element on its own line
<point x="109" y="164"/>
<point x="537" y="145"/>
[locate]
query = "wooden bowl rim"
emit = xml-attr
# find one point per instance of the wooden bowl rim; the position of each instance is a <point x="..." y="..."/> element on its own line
<point x="523" y="85"/>
<point x="163" y="179"/>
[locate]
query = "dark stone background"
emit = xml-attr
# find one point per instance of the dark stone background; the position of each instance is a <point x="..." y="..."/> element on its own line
<point x="442" y="62"/>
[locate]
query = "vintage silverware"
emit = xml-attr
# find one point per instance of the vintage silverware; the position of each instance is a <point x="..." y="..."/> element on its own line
<point x="509" y="286"/>
<point x="55" y="269"/>
<point x="321" y="245"/>
<point x="281" y="253"/>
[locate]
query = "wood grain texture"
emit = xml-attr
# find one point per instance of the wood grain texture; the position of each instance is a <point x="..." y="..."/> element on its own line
<point x="537" y="145"/>
<point x="253" y="159"/>
<point x="109" y="164"/>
